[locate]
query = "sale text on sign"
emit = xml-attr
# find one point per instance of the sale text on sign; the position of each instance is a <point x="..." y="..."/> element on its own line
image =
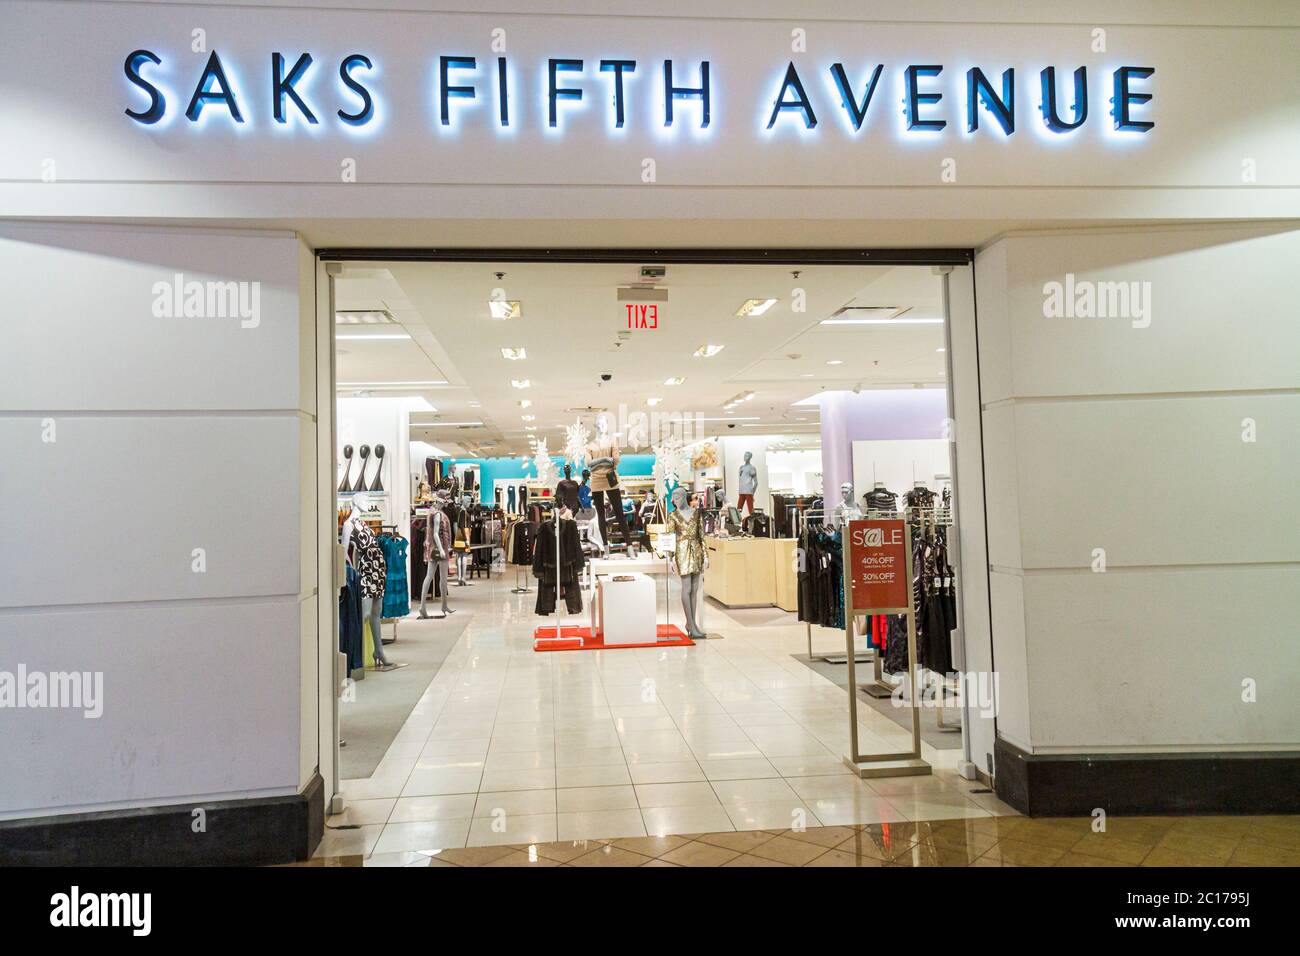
<point x="876" y="564"/>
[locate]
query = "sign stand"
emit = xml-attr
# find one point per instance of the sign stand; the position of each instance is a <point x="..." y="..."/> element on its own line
<point x="875" y="552"/>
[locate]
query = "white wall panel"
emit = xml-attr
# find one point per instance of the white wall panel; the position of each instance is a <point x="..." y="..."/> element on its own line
<point x="1156" y="659"/>
<point x="81" y="333"/>
<point x="198" y="699"/>
<point x="1221" y="314"/>
<point x="1159" y="481"/>
<point x="113" y="510"/>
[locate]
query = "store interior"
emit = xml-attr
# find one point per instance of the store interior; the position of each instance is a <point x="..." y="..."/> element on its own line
<point x="594" y="511"/>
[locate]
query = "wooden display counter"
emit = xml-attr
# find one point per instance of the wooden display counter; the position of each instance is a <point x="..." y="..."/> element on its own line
<point x="751" y="572"/>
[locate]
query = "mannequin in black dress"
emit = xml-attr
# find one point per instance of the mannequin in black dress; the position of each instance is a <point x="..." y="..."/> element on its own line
<point x="566" y="491"/>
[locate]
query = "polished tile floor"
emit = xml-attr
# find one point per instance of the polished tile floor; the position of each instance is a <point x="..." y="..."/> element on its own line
<point x="981" y="841"/>
<point x="726" y="753"/>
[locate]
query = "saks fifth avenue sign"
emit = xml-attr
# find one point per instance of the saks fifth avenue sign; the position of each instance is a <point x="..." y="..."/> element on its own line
<point x="463" y="89"/>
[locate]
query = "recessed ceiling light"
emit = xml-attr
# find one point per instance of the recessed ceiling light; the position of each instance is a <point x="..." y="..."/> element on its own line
<point x="428" y="384"/>
<point x="364" y="317"/>
<point x="754" y="307"/>
<point x="881" y="321"/>
<point x="738" y="418"/>
<point x="708" y="351"/>
<point x="521" y="383"/>
<point x="530" y="428"/>
<point x="653" y="401"/>
<point x="528" y="418"/>
<point x="358" y="336"/>
<point x="505" y="308"/>
<point x="674" y="381"/>
<point x="525" y="403"/>
<point x="941" y="349"/>
<point x="441" y="424"/>
<point x="806" y="375"/>
<point x="835" y="362"/>
<point x="514" y="354"/>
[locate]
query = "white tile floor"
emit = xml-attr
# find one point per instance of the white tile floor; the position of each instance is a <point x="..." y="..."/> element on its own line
<point x="509" y="746"/>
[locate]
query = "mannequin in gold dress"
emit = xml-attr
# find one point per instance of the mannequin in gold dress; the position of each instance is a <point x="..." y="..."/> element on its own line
<point x="690" y="557"/>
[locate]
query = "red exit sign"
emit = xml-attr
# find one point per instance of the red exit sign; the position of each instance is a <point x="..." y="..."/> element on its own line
<point x="642" y="316"/>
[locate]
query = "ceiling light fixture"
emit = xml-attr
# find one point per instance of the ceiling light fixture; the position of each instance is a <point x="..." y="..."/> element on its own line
<point x="529" y="418"/>
<point x="754" y="307"/>
<point x="941" y="349"/>
<point x="364" y="317"/>
<point x="674" y="381"/>
<point x="428" y="384"/>
<point x="835" y="362"/>
<point x="521" y="383"/>
<point x="653" y="401"/>
<point x="514" y="355"/>
<point x="396" y="336"/>
<point x="708" y="351"/>
<point x="525" y="403"/>
<point x="505" y="308"/>
<point x="881" y="322"/>
<point x="445" y="424"/>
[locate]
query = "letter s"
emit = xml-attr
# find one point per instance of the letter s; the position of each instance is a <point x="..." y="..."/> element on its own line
<point x="367" y="111"/>
<point x="157" y="102"/>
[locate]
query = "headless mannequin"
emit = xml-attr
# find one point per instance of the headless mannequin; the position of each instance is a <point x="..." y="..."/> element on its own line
<point x="748" y="484"/>
<point x="566" y="491"/>
<point x="604" y="449"/>
<point x="437" y="557"/>
<point x="692" y="584"/>
<point x="372" y="609"/>
<point x="847" y="510"/>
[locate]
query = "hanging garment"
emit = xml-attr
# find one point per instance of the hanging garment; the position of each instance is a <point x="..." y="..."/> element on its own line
<point x="351" y="635"/>
<point x="397" y="595"/>
<point x="881" y="499"/>
<point x="562" y="568"/>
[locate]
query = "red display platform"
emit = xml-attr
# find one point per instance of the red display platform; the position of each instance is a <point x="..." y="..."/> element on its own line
<point x="670" y="635"/>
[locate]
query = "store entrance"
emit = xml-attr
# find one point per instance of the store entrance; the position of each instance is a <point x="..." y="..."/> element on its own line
<point x="592" y="514"/>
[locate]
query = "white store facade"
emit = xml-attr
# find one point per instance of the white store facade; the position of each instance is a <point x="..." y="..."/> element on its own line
<point x="1113" y="199"/>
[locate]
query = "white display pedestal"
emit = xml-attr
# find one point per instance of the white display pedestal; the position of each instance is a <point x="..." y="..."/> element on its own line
<point x="623" y="612"/>
<point x="646" y="563"/>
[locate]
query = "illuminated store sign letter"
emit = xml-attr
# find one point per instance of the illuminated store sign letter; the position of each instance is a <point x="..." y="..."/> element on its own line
<point x="445" y="91"/>
<point x="157" y="102"/>
<point x="800" y="101"/>
<point x="916" y="99"/>
<point x="683" y="92"/>
<point x="555" y="93"/>
<point x="979" y="92"/>
<point x="617" y="67"/>
<point x="1080" y="108"/>
<point x="857" y="113"/>
<point x="1124" y="98"/>
<point x="213" y="86"/>
<point x="367" y="110"/>
<point x="282" y="85"/>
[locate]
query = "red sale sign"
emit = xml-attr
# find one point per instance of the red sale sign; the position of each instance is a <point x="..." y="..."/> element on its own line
<point x="875" y="562"/>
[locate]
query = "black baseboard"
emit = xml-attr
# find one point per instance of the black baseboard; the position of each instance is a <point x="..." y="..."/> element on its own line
<point x="1060" y="785"/>
<point x="250" y="832"/>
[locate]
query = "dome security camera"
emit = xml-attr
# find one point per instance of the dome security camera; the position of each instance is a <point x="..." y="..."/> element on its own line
<point x="606" y="376"/>
<point x="731" y="424"/>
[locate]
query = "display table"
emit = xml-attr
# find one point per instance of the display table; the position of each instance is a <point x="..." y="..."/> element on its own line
<point x="623" y="612"/>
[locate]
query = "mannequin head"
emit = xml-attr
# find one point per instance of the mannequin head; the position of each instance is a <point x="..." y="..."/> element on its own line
<point x="361" y="501"/>
<point x="681" y="500"/>
<point x="748" y="456"/>
<point x="585" y="475"/>
<point x="846" y="492"/>
<point x="602" y="425"/>
<point x="568" y="471"/>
